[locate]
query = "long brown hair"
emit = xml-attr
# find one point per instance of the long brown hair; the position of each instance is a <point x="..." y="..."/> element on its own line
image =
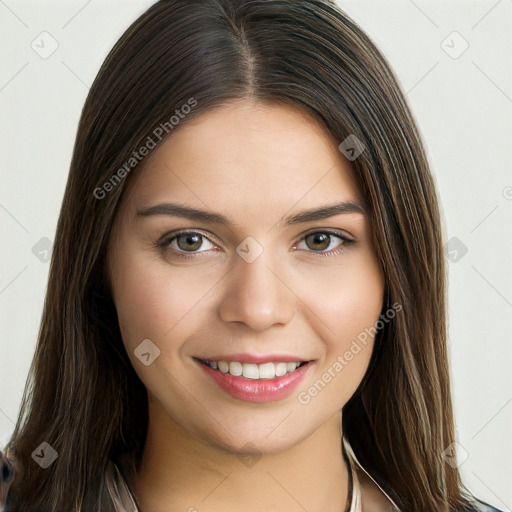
<point x="82" y="395"/>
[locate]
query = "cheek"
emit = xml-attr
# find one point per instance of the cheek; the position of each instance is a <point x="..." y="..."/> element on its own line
<point x="344" y="306"/>
<point x="345" y="299"/>
<point x="156" y="304"/>
<point x="153" y="302"/>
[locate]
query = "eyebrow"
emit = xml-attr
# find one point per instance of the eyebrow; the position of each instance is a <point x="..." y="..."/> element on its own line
<point x="187" y="212"/>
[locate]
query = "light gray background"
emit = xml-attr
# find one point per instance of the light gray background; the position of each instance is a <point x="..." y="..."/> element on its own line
<point x="464" y="109"/>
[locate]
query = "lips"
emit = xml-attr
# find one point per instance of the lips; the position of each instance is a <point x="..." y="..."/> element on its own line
<point x="245" y="357"/>
<point x="252" y="388"/>
<point x="252" y="370"/>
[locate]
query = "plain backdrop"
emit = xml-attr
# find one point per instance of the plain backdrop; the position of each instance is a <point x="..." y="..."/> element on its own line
<point x="453" y="61"/>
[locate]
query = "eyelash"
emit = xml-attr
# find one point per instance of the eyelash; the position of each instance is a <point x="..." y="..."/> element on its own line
<point x="165" y="241"/>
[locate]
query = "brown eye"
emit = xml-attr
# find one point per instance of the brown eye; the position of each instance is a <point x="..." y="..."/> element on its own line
<point x="318" y="241"/>
<point x="189" y="241"/>
<point x="186" y="242"/>
<point x="323" y="242"/>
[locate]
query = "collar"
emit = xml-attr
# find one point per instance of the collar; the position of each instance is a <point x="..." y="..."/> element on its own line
<point x="119" y="476"/>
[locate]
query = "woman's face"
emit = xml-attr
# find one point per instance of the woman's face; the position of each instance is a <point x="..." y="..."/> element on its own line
<point x="219" y="255"/>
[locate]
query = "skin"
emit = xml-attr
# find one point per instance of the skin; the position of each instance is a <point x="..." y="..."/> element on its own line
<point x="254" y="163"/>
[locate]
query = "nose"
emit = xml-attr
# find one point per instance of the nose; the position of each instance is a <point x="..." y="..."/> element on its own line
<point x="257" y="296"/>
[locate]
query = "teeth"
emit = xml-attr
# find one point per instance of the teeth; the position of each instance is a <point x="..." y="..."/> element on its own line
<point x="267" y="371"/>
<point x="223" y="366"/>
<point x="253" y="371"/>
<point x="290" y="367"/>
<point x="281" y="369"/>
<point x="250" y="371"/>
<point x="235" y="368"/>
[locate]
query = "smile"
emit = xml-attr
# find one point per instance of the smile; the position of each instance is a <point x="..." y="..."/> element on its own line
<point x="251" y="382"/>
<point x="254" y="371"/>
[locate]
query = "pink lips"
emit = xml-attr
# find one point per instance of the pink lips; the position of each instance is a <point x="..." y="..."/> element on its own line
<point x="251" y="390"/>
<point x="245" y="357"/>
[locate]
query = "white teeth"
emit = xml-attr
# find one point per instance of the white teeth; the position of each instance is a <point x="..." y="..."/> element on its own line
<point x="291" y="366"/>
<point x="252" y="370"/>
<point x="281" y="369"/>
<point x="267" y="371"/>
<point x="223" y="366"/>
<point x="235" y="368"/>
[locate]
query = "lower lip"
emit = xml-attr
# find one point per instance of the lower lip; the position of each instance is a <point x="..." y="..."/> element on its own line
<point x="252" y="390"/>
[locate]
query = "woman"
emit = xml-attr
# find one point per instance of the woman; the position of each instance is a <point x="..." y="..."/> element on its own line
<point x="246" y="301"/>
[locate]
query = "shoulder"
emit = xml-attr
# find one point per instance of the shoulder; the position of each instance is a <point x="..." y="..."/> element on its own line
<point x="114" y="494"/>
<point x="117" y="478"/>
<point x="373" y="498"/>
<point x="8" y="473"/>
<point x="480" y="506"/>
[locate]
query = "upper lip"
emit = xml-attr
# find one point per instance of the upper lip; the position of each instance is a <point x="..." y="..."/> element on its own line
<point x="256" y="358"/>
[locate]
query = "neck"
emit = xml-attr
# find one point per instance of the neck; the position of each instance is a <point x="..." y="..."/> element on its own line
<point x="179" y="471"/>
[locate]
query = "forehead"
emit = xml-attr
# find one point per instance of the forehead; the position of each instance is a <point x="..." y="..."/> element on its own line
<point x="243" y="154"/>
